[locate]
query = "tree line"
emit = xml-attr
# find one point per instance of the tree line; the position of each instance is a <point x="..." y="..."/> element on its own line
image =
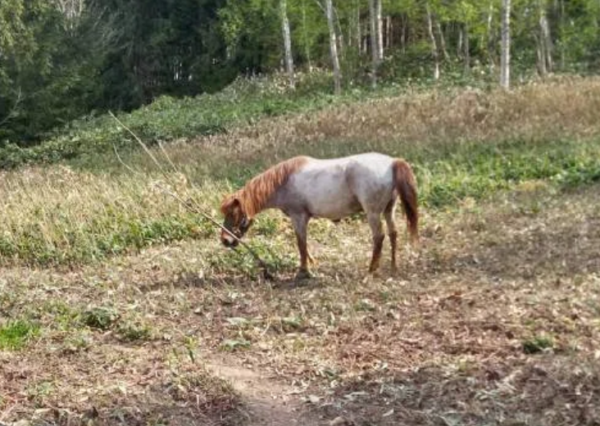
<point x="63" y="59"/>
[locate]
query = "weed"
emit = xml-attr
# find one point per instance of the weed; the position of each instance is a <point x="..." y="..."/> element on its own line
<point x="232" y="345"/>
<point x="537" y="344"/>
<point x="76" y="342"/>
<point x="15" y="334"/>
<point x="267" y="226"/>
<point x="101" y="318"/>
<point x="134" y="332"/>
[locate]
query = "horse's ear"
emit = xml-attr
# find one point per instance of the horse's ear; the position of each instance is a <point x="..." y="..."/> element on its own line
<point x="229" y="204"/>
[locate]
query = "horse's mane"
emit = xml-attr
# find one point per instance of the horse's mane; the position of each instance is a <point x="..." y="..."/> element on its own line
<point x="256" y="193"/>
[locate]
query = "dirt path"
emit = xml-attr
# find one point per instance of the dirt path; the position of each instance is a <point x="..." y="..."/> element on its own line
<point x="269" y="402"/>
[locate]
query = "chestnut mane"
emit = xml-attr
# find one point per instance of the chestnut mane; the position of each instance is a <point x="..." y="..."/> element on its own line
<point x="256" y="193"/>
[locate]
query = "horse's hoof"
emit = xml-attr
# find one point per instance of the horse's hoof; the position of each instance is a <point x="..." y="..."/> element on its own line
<point x="372" y="274"/>
<point x="303" y="274"/>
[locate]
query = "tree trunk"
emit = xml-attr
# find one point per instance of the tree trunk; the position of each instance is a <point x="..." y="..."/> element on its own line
<point x="467" y="49"/>
<point x="358" y="28"/>
<point x="379" y="30"/>
<point x="373" y="38"/>
<point x="438" y="26"/>
<point x="541" y="56"/>
<point x="305" y="36"/>
<point x="403" y="33"/>
<point x="388" y="32"/>
<point x="545" y="39"/>
<point x="339" y="34"/>
<point x="562" y="29"/>
<point x="459" y="43"/>
<point x="287" y="42"/>
<point x="490" y="37"/>
<point x="505" y="49"/>
<point x="365" y="39"/>
<point x="337" y="75"/>
<point x="434" y="47"/>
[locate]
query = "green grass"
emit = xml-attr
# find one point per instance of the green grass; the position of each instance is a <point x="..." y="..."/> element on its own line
<point x="480" y="170"/>
<point x="167" y="119"/>
<point x="15" y="334"/>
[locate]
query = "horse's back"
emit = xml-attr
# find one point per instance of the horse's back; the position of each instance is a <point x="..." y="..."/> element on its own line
<point x="337" y="187"/>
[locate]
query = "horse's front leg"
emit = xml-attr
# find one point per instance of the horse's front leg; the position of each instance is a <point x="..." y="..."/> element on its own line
<point x="300" y="223"/>
<point x="378" y="237"/>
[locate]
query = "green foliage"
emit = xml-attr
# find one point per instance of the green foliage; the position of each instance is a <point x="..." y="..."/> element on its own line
<point x="101" y="318"/>
<point x="245" y="101"/>
<point x="58" y="65"/>
<point x="15" y="334"/>
<point x="479" y="170"/>
<point x="46" y="73"/>
<point x="243" y="262"/>
<point x="134" y="332"/>
<point x="537" y="344"/>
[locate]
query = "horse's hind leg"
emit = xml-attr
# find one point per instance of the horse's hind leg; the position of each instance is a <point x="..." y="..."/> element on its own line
<point x="378" y="237"/>
<point x="388" y="214"/>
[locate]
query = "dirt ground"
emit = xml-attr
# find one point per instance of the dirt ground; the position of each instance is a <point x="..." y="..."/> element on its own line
<point x="493" y="319"/>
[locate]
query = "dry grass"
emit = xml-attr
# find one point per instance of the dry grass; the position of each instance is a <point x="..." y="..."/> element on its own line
<point x="565" y="108"/>
<point x="59" y="216"/>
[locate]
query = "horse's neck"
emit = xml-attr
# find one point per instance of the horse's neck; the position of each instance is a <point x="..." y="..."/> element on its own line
<point x="253" y="206"/>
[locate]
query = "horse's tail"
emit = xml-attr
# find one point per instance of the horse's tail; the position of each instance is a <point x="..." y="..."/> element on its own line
<point x="406" y="186"/>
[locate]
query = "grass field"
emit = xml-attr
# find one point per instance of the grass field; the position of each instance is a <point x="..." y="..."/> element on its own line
<point x="119" y="307"/>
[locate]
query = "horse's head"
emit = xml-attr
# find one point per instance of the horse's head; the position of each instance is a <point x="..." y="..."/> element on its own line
<point x="236" y="221"/>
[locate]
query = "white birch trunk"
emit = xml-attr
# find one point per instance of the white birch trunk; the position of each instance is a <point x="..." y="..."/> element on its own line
<point x="459" y="43"/>
<point x="505" y="48"/>
<point x="305" y="36"/>
<point x="287" y="42"/>
<point x="434" y="47"/>
<point x="337" y="75"/>
<point x="374" y="42"/>
<point x="358" y="29"/>
<point x="545" y="39"/>
<point x="438" y="25"/>
<point x="379" y="30"/>
<point x="467" y="49"/>
<point x="561" y="32"/>
<point x="490" y="37"/>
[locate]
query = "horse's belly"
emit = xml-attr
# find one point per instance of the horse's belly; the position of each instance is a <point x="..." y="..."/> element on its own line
<point x="334" y="207"/>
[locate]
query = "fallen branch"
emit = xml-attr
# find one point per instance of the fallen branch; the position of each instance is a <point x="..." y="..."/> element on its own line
<point x="191" y="205"/>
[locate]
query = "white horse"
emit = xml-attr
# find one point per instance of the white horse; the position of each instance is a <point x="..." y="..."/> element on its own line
<point x="305" y="188"/>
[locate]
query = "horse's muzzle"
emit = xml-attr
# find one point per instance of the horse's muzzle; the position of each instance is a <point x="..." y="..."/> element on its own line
<point x="229" y="241"/>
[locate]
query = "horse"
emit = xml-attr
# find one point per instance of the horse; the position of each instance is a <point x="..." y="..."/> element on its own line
<point x="304" y="188"/>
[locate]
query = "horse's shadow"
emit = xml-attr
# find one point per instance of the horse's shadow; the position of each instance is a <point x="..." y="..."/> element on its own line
<point x="291" y="282"/>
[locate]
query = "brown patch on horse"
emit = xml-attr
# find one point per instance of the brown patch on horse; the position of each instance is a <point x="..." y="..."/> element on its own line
<point x="377" y="247"/>
<point x="253" y="197"/>
<point x="406" y="185"/>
